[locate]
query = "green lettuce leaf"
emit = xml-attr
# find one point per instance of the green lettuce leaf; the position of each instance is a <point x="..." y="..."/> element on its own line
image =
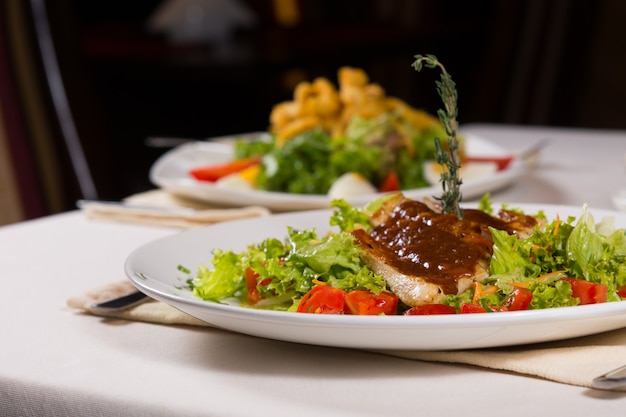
<point x="597" y="253"/>
<point x="287" y="269"/>
<point x="224" y="280"/>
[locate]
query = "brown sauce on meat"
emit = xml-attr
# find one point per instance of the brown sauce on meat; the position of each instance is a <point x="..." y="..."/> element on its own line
<point x="437" y="247"/>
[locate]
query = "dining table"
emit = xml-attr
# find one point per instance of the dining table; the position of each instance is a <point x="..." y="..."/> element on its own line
<point x="59" y="361"/>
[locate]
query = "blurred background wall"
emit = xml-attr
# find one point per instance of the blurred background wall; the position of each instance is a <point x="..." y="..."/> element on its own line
<point x="135" y="69"/>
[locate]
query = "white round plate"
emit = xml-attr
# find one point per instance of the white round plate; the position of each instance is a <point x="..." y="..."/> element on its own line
<point x="153" y="269"/>
<point x="171" y="173"/>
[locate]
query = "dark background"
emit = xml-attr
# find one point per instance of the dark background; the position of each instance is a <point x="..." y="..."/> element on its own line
<point x="530" y="62"/>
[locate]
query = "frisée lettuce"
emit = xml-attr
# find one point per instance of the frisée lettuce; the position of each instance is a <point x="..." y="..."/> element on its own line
<point x="567" y="248"/>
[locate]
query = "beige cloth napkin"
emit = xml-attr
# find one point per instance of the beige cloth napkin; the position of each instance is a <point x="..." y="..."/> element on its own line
<point x="151" y="311"/>
<point x="575" y="361"/>
<point x="184" y="213"/>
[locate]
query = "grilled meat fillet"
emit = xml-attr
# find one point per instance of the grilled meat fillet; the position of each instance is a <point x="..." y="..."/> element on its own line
<point x="424" y="254"/>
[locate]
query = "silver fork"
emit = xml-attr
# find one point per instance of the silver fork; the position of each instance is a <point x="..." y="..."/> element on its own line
<point x="611" y="380"/>
<point x="120" y="303"/>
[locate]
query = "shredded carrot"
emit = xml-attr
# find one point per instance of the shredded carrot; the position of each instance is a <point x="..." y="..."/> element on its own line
<point x="318" y="282"/>
<point x="550" y="275"/>
<point x="480" y="291"/>
<point x="556" y="227"/>
<point x="526" y="284"/>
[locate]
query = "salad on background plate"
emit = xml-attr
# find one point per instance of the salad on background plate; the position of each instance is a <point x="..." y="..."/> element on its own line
<point x="352" y="142"/>
<point x="171" y="173"/>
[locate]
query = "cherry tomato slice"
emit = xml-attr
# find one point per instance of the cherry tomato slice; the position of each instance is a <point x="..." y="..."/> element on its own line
<point x="471" y="309"/>
<point x="390" y="183"/>
<point x="251" y="284"/>
<point x="588" y="292"/>
<point x="323" y="299"/>
<point x="366" y="303"/>
<point x="430" y="309"/>
<point x="519" y="300"/>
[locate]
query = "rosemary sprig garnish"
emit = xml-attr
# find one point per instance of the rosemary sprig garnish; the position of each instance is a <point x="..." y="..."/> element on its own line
<point x="451" y="160"/>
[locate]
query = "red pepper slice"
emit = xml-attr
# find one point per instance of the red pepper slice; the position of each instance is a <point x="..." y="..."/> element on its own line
<point x="213" y="173"/>
<point x="502" y="162"/>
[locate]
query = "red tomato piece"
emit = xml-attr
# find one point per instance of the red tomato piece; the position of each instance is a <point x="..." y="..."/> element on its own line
<point x="519" y="300"/>
<point x="251" y="284"/>
<point x="430" y="309"/>
<point x="390" y="183"/>
<point x="502" y="162"/>
<point x="366" y="303"/>
<point x="213" y="173"/>
<point x="323" y="299"/>
<point x="472" y="308"/>
<point x="621" y="291"/>
<point x="588" y="292"/>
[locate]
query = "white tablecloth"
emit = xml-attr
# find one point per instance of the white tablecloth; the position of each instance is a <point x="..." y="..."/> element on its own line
<point x="57" y="362"/>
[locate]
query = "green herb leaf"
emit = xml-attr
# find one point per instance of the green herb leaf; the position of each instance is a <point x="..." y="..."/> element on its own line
<point x="451" y="159"/>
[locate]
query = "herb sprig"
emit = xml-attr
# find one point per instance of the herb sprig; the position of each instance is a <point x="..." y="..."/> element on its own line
<point x="450" y="160"/>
